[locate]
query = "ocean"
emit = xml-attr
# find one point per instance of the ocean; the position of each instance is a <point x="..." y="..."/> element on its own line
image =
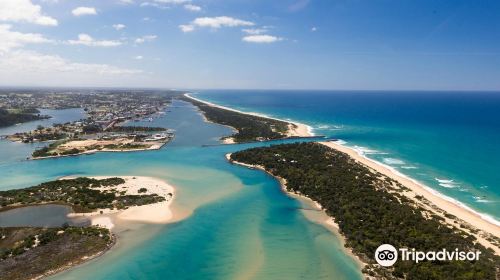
<point x="239" y="224"/>
<point x="448" y="141"/>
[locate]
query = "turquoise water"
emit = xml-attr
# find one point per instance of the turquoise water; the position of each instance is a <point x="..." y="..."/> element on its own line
<point x="446" y="140"/>
<point x="239" y="224"/>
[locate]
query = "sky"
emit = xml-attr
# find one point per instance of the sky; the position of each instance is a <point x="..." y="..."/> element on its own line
<point x="251" y="44"/>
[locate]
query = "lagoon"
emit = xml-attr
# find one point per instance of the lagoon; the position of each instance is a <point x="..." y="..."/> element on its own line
<point x="231" y="222"/>
<point x="40" y="216"/>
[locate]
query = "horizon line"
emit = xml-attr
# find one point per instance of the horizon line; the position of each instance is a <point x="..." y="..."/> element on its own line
<point x="242" y="89"/>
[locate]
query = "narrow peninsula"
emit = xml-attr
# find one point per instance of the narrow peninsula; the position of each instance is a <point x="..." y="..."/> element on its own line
<point x="249" y="127"/>
<point x="370" y="208"/>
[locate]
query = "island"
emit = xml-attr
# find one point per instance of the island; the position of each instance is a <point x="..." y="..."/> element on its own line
<point x="107" y="143"/>
<point x="249" y="127"/>
<point x="35" y="252"/>
<point x="370" y="208"/>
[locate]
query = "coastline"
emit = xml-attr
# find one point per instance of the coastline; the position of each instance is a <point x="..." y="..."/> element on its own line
<point x="300" y="129"/>
<point x="434" y="199"/>
<point x="326" y="221"/>
<point x="445" y="205"/>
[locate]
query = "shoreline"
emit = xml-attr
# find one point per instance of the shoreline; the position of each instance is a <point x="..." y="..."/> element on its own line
<point x="300" y="129"/>
<point x="329" y="223"/>
<point x="82" y="261"/>
<point x="446" y="204"/>
<point x="157" y="213"/>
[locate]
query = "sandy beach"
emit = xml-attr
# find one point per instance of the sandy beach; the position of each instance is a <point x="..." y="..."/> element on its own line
<point x="158" y="213"/>
<point x="435" y="200"/>
<point x="295" y="129"/>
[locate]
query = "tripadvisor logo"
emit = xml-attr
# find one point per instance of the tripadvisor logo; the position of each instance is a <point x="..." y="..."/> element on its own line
<point x="387" y="255"/>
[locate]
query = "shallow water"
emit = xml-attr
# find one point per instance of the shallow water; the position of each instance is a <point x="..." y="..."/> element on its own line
<point x="240" y="224"/>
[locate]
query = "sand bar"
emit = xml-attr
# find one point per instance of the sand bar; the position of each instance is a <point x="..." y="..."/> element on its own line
<point x="157" y="213"/>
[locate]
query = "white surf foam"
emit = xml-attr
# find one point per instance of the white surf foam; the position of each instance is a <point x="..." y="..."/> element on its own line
<point x="393" y="161"/>
<point x="483" y="216"/>
<point x="481" y="199"/>
<point x="409" y="167"/>
<point x="367" y="151"/>
<point x="328" y="127"/>
<point x="447" y="183"/>
<point x="341" y="142"/>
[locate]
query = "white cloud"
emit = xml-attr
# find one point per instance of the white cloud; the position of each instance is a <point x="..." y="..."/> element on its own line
<point x="36" y="62"/>
<point x="165" y="4"/>
<point x="12" y="39"/>
<point x="119" y="26"/>
<point x="147" y="38"/>
<point x="24" y="11"/>
<point x="314" y="29"/>
<point x="84" y="11"/>
<point x="254" y="31"/>
<point x="186" y="27"/>
<point x="87" y="40"/>
<point x="261" y="39"/>
<point x="173" y="1"/>
<point x="24" y="67"/>
<point x="126" y="1"/>
<point x="218" y="22"/>
<point x="139" y="57"/>
<point x="156" y="5"/>
<point x="215" y="23"/>
<point x="192" y="8"/>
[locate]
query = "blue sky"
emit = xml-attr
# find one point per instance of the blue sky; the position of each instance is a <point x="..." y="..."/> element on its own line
<point x="281" y="44"/>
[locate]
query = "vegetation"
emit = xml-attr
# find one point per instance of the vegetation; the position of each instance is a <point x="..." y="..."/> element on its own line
<point x="52" y="150"/>
<point x="8" y="118"/>
<point x="83" y="194"/>
<point x="47" y="151"/>
<point x="370" y="210"/>
<point x="250" y="128"/>
<point x="27" y="253"/>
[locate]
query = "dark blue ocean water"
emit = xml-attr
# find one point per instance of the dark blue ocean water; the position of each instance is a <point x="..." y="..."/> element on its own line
<point x="449" y="141"/>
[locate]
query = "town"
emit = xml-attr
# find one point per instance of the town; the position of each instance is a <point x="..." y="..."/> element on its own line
<point x="102" y="129"/>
